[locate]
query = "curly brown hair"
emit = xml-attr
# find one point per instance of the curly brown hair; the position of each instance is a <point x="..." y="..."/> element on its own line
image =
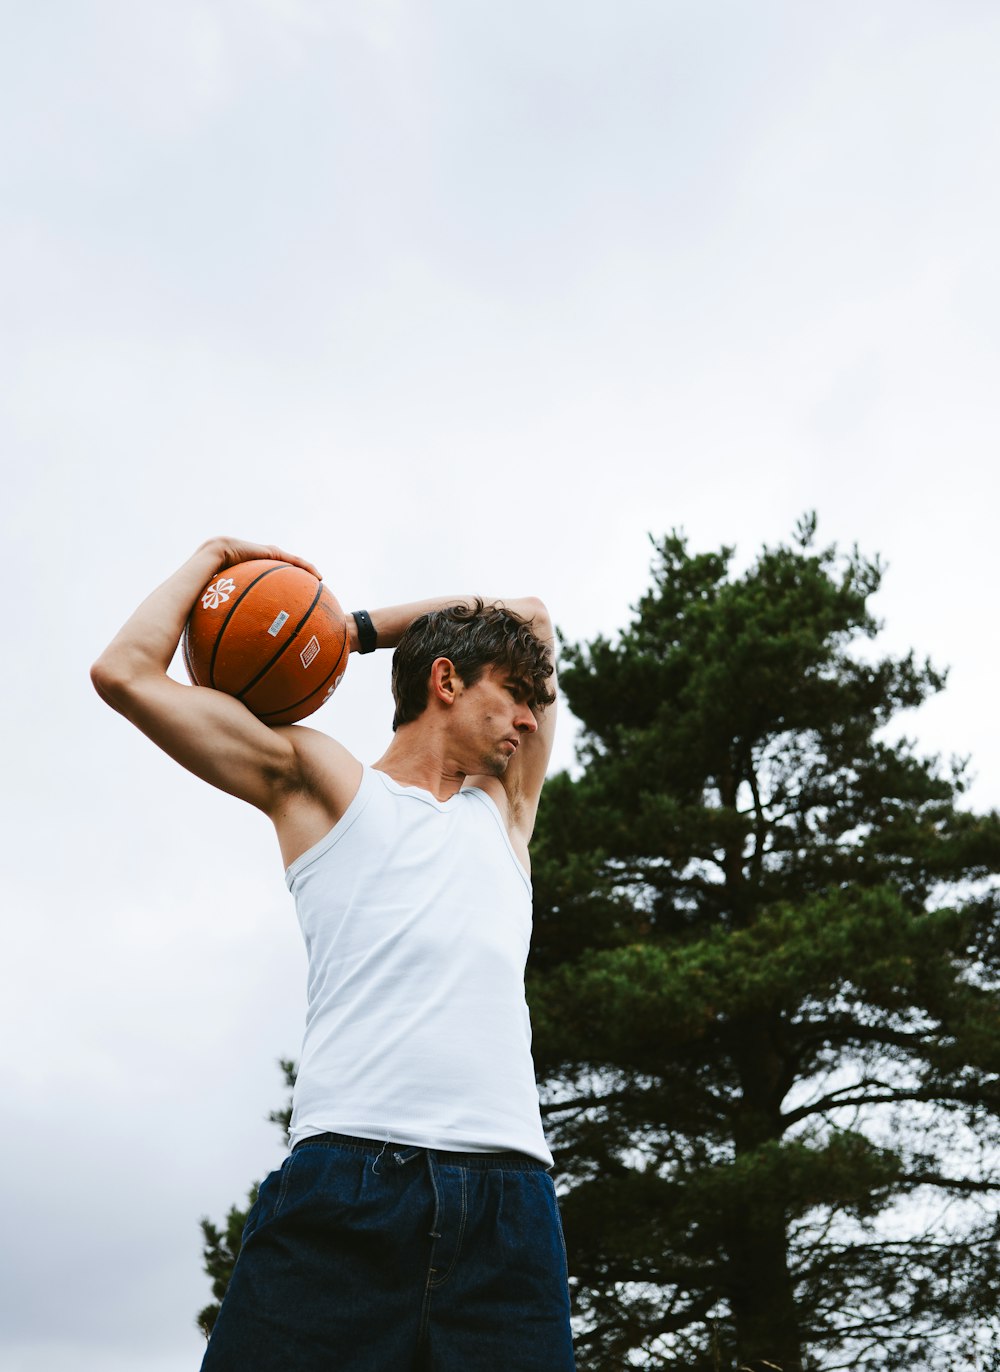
<point x="472" y="638"/>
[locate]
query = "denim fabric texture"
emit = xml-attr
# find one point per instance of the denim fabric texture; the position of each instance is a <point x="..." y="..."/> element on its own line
<point x="360" y="1256"/>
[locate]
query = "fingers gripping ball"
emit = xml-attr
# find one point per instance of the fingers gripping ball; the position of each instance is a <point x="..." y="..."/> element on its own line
<point x="271" y="635"/>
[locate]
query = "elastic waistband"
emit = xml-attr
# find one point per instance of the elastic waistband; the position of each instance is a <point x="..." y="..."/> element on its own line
<point x="480" y="1162"/>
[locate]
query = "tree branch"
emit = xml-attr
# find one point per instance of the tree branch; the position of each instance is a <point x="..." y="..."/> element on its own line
<point x="835" y="1101"/>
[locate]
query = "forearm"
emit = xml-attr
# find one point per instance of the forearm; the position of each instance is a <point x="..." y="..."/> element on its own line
<point x="391" y="621"/>
<point x="147" y="641"/>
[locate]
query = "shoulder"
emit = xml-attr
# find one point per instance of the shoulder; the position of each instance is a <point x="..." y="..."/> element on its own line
<point x="326" y="780"/>
<point x="326" y="769"/>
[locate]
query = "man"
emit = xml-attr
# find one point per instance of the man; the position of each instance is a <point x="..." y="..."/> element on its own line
<point x="414" y="1226"/>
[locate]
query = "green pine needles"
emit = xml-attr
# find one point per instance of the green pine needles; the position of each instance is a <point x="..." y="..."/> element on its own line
<point x="763" y="987"/>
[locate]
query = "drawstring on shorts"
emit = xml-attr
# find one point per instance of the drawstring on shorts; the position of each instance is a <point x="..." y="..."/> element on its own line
<point x="437" y="1200"/>
<point x="400" y="1158"/>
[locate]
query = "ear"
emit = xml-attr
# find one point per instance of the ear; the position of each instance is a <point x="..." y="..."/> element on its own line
<point x="445" y="683"/>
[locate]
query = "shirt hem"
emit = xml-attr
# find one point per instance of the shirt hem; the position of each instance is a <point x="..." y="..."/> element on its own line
<point x="415" y="1138"/>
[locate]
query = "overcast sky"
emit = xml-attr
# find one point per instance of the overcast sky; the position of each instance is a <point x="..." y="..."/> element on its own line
<point x="445" y="297"/>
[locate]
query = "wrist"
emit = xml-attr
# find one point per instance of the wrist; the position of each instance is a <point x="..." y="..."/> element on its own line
<point x="365" y="635"/>
<point x="212" y="553"/>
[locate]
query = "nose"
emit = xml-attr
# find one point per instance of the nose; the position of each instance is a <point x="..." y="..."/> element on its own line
<point x="526" y="721"/>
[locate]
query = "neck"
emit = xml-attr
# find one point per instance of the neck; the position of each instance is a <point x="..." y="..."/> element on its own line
<point x="415" y="760"/>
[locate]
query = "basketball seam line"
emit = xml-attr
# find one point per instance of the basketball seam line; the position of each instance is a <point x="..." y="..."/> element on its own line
<point x="231" y="611"/>
<point x="345" y="651"/>
<point x="186" y="653"/>
<point x="287" y="643"/>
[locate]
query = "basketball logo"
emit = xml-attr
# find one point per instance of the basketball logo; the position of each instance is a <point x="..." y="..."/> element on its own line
<point x="218" y="593"/>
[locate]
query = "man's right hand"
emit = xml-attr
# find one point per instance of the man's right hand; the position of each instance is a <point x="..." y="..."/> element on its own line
<point x="233" y="550"/>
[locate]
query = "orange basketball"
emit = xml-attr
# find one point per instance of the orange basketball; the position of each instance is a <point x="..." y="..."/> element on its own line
<point x="271" y="635"/>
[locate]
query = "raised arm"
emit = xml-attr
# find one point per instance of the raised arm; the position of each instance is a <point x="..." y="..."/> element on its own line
<point x="210" y="733"/>
<point x="523" y="780"/>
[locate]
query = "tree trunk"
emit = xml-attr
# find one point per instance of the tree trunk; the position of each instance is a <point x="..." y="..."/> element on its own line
<point x="761" y="1290"/>
<point x="761" y="1294"/>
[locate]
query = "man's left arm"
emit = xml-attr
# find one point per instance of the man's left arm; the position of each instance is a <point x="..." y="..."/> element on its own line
<point x="525" y="775"/>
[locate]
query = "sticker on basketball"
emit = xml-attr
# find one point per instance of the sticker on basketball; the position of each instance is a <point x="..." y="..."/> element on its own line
<point x="271" y="635"/>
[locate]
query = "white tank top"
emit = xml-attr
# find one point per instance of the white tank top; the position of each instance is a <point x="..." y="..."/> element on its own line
<point x="417" y="918"/>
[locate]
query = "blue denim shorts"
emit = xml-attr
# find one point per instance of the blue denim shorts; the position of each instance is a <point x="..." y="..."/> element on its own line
<point x="360" y="1256"/>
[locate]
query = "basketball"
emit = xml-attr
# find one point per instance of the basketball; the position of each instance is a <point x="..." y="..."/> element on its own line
<point x="271" y="635"/>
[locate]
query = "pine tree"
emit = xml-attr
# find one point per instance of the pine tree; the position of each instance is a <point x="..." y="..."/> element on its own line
<point x="763" y="986"/>
<point x="219" y="1254"/>
<point x="222" y="1246"/>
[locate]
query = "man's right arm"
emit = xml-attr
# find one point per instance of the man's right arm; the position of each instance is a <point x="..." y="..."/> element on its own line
<point x="212" y="734"/>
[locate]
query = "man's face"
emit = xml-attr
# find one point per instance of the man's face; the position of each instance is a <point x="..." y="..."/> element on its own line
<point x="495" y="718"/>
